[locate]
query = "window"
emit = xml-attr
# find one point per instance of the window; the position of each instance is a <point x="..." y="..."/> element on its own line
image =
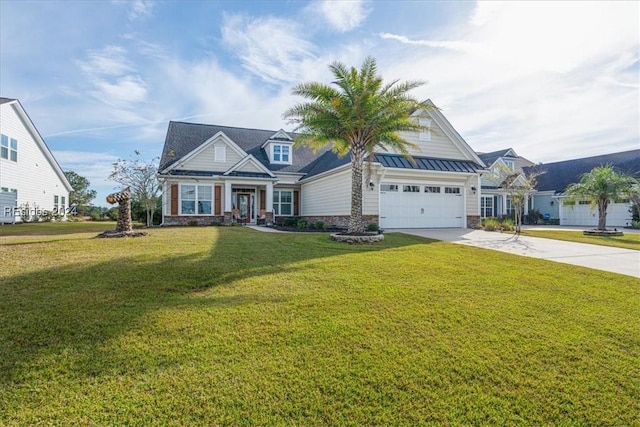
<point x="388" y="187"/>
<point x="56" y="205"/>
<point x="220" y="153"/>
<point x="8" y="148"/>
<point x="431" y="189"/>
<point x="410" y="188"/>
<point x="510" y="164"/>
<point x="281" y="153"/>
<point x="425" y="134"/>
<point x="486" y="206"/>
<point x="283" y="202"/>
<point x="195" y="199"/>
<point x="452" y="190"/>
<point x="584" y="202"/>
<point x="62" y="205"/>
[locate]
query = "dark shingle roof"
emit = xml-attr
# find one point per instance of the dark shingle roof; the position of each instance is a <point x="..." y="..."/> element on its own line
<point x="558" y="175"/>
<point x="489" y="158"/>
<point x="182" y="138"/>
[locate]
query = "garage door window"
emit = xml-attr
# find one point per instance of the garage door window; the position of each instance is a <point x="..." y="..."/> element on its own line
<point x="430" y="189"/>
<point x="452" y="190"/>
<point x="411" y="188"/>
<point x="388" y="187"/>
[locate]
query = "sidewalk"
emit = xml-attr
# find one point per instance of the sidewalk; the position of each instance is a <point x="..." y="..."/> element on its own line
<point x="615" y="260"/>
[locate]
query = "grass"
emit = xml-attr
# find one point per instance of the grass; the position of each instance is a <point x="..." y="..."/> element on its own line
<point x="627" y="241"/>
<point x="229" y="326"/>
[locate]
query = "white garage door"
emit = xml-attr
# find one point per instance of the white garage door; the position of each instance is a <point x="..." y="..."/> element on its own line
<point x="421" y="206"/>
<point x="618" y="215"/>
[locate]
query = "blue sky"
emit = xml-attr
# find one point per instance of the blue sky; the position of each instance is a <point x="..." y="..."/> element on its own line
<point x="100" y="79"/>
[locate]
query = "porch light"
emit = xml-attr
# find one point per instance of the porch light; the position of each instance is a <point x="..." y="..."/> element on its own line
<point x="474" y="189"/>
<point x="371" y="185"/>
<point x="552" y="203"/>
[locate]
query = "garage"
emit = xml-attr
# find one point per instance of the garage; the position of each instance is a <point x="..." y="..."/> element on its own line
<point x="421" y="206"/>
<point x="582" y="214"/>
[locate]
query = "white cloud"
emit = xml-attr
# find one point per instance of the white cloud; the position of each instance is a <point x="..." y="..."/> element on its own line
<point x="342" y="15"/>
<point x="137" y="9"/>
<point x="271" y="48"/>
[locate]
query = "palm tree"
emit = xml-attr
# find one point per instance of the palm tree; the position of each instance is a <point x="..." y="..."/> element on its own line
<point x="357" y="113"/>
<point x="600" y="186"/>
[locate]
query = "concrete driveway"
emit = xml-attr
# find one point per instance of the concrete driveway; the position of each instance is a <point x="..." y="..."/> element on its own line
<point x="616" y="260"/>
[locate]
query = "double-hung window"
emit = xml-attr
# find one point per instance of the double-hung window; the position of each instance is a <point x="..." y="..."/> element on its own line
<point x="195" y="199"/>
<point x="56" y="204"/>
<point x="281" y="153"/>
<point x="8" y="148"/>
<point x="283" y="202"/>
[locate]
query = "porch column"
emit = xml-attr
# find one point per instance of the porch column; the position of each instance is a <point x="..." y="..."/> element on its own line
<point x="526" y="204"/>
<point x="504" y="204"/>
<point x="227" y="196"/>
<point x="269" y="197"/>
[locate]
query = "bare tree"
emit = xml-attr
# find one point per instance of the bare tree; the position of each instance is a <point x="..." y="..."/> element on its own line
<point x="141" y="177"/>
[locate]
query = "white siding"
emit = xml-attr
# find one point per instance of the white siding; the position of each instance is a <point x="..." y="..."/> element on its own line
<point x="332" y="196"/>
<point x="250" y="166"/>
<point x="32" y="175"/>
<point x="440" y="145"/>
<point x="205" y="159"/>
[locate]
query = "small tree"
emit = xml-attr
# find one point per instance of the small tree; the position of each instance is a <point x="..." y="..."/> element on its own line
<point x="600" y="186"/>
<point x="142" y="178"/>
<point x="81" y="195"/>
<point x="519" y="187"/>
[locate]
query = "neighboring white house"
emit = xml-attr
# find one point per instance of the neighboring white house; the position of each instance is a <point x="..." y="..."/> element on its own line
<point x="218" y="174"/>
<point x="555" y="177"/>
<point x="27" y="167"/>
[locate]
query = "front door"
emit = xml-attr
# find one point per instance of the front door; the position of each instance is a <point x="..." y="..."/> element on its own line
<point x="244" y="206"/>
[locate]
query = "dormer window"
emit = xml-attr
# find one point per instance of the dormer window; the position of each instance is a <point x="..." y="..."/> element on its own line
<point x="281" y="153"/>
<point x="510" y="164"/>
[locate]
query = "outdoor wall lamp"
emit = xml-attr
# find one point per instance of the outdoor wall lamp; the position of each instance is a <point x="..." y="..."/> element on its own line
<point x="474" y="189"/>
<point x="552" y="203"/>
<point x="371" y="186"/>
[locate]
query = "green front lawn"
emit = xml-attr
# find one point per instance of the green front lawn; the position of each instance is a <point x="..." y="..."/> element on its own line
<point x="629" y="240"/>
<point x="229" y="326"/>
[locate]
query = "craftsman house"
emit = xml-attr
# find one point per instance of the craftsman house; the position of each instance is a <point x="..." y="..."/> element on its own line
<point x="505" y="168"/>
<point x="29" y="174"/>
<point x="220" y="174"/>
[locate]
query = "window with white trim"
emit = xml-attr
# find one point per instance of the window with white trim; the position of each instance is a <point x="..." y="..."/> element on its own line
<point x="410" y="188"/>
<point x="486" y="206"/>
<point x="220" y="153"/>
<point x="510" y="164"/>
<point x="8" y="148"/>
<point x="431" y="189"/>
<point x="283" y="202"/>
<point x="281" y="153"/>
<point x="196" y="199"/>
<point x="425" y="134"/>
<point x="56" y="204"/>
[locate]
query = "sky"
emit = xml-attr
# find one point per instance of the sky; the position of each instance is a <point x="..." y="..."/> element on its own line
<point x="101" y="79"/>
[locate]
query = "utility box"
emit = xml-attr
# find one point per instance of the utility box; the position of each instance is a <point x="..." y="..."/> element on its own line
<point x="8" y="207"/>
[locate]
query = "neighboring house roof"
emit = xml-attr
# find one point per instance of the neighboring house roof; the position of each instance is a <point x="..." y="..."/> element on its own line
<point x="507" y="153"/>
<point x="38" y="139"/>
<point x="558" y="175"/>
<point x="182" y="138"/>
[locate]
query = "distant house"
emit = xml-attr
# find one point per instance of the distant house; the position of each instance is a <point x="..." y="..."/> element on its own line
<point x="555" y="177"/>
<point x="220" y="174"/>
<point x="503" y="166"/>
<point x="28" y="171"/>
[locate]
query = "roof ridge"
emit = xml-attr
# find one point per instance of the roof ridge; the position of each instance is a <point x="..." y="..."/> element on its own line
<point x="230" y="127"/>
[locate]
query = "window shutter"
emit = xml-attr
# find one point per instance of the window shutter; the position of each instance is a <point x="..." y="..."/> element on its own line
<point x="218" y="202"/>
<point x="296" y="203"/>
<point x="263" y="202"/>
<point x="174" y="199"/>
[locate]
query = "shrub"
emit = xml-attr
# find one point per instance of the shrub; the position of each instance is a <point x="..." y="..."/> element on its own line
<point x="508" y="225"/>
<point x="635" y="224"/>
<point x="47" y="216"/>
<point x="320" y="225"/>
<point x="290" y="221"/>
<point x="192" y="223"/>
<point x="490" y="224"/>
<point x="95" y="216"/>
<point x="302" y="224"/>
<point x="373" y="227"/>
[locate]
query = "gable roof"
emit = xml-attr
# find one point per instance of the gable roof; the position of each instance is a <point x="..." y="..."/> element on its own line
<point x="558" y="175"/>
<point x="183" y="138"/>
<point x="489" y="158"/>
<point x="31" y="128"/>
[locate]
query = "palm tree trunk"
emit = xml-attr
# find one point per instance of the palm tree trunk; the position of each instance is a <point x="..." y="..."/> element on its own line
<point x="357" y="160"/>
<point x="602" y="214"/>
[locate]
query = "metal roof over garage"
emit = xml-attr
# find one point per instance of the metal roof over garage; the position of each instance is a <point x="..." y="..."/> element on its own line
<point x="427" y="163"/>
